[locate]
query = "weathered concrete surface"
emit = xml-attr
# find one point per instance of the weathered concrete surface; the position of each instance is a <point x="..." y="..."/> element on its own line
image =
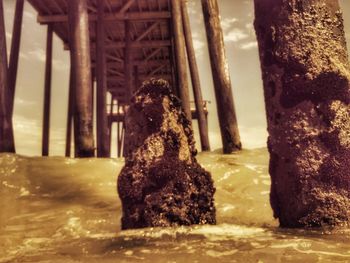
<point x="306" y="82"/>
<point x="161" y="183"/>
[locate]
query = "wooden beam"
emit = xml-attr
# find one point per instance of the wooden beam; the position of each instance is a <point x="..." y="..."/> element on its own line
<point x="113" y="72"/>
<point x="139" y="63"/>
<point x="221" y="77"/>
<point x="133" y="45"/>
<point x="45" y="19"/>
<point x="181" y="57"/>
<point x="126" y="6"/>
<point x="103" y="149"/>
<point x="119" y="117"/>
<point x="156" y="70"/>
<point x="47" y="93"/>
<point x="152" y="54"/>
<point x="202" y="123"/>
<point x="147" y="31"/>
<point x="5" y="118"/>
<point x="137" y="77"/>
<point x="128" y="60"/>
<point x="81" y="61"/>
<point x="114" y="58"/>
<point x="141" y="77"/>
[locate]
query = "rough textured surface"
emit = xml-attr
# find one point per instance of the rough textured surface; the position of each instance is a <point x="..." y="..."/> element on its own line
<point x="306" y="81"/>
<point x="161" y="183"/>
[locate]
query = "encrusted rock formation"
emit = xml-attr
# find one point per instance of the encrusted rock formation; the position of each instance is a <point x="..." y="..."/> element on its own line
<point x="305" y="70"/>
<point x="161" y="183"/>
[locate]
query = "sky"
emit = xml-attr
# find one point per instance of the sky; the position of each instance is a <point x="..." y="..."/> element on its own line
<point x="242" y="55"/>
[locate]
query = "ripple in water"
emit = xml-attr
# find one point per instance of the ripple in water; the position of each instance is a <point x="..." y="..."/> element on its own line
<point x="65" y="210"/>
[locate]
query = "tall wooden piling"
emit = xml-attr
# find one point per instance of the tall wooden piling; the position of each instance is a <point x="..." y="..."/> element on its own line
<point x="172" y="58"/>
<point x="103" y="145"/>
<point x="221" y="77"/>
<point x="5" y="118"/>
<point x="13" y="63"/>
<point x="110" y="123"/>
<point x="202" y="123"/>
<point x="14" y="54"/>
<point x="70" y="114"/>
<point x="307" y="94"/>
<point x="128" y="70"/>
<point x="181" y="63"/>
<point x="80" y="54"/>
<point x="47" y="93"/>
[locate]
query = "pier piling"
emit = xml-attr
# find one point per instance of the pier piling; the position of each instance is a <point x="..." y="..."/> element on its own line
<point x="197" y="91"/>
<point x="81" y="61"/>
<point x="47" y="94"/>
<point x="307" y="94"/>
<point x="221" y="77"/>
<point x="101" y="91"/>
<point x="181" y="62"/>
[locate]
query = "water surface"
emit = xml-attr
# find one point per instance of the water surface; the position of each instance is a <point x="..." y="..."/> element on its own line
<point x="66" y="210"/>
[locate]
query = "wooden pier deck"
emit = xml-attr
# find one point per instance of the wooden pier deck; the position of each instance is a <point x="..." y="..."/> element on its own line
<point x="117" y="44"/>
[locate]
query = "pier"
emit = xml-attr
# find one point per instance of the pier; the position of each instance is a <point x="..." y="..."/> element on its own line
<point x="114" y="45"/>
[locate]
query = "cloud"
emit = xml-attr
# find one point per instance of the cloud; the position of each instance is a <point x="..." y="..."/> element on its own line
<point x="191" y="7"/>
<point x="8" y="36"/>
<point x="235" y="35"/>
<point x="23" y="55"/>
<point x="253" y="137"/>
<point x="60" y="65"/>
<point x="38" y="54"/>
<point x="227" y="23"/>
<point x="249" y="45"/>
<point x="23" y="102"/>
<point x="198" y="44"/>
<point x="29" y="15"/>
<point x="28" y="134"/>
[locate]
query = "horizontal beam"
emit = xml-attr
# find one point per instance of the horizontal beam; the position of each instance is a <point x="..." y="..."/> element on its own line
<point x="134" y="45"/>
<point x="141" y="77"/>
<point x="151" y="63"/>
<point x="46" y="19"/>
<point x="119" y="117"/>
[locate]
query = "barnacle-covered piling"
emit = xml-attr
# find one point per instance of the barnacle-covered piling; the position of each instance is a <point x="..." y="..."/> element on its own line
<point x="305" y="71"/>
<point x="161" y="183"/>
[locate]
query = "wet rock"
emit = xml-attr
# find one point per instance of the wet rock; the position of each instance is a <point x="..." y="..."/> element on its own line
<point x="161" y="183"/>
<point x="306" y="81"/>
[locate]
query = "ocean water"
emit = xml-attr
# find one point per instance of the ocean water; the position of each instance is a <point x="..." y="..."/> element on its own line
<point x="65" y="210"/>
